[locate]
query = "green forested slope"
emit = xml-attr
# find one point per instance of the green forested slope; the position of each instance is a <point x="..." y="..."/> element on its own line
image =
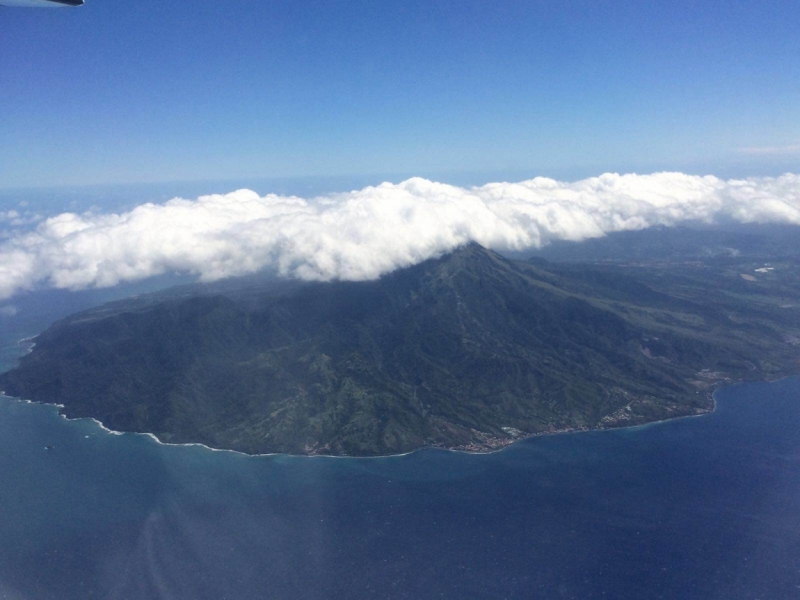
<point x="470" y="350"/>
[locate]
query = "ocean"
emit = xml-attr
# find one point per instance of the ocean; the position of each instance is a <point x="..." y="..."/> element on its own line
<point x="704" y="507"/>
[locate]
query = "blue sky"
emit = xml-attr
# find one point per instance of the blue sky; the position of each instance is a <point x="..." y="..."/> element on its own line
<point x="126" y="91"/>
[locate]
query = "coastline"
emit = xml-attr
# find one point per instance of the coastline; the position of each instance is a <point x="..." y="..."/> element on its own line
<point x="487" y="451"/>
<point x="714" y="388"/>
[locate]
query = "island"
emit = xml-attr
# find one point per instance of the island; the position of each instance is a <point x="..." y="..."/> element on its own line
<point x="469" y="351"/>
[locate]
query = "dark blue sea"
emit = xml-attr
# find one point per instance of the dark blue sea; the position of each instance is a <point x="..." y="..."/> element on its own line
<point x="705" y="507"/>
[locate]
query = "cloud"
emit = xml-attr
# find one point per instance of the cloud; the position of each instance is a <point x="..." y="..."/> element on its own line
<point x="365" y="233"/>
<point x="16" y="219"/>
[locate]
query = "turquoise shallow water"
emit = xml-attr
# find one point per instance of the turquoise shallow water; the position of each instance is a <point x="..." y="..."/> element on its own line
<point x="704" y="507"/>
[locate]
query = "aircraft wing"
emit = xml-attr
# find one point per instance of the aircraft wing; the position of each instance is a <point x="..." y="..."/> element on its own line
<point x="41" y="3"/>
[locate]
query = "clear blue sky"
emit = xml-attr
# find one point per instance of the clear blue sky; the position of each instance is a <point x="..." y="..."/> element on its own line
<point x="162" y="90"/>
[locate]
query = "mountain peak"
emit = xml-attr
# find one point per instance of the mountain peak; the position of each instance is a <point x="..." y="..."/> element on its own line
<point x="471" y="248"/>
<point x="469" y="252"/>
<point x="472" y="257"/>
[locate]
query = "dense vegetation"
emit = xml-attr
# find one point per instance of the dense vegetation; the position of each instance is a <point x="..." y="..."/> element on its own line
<point x="471" y="350"/>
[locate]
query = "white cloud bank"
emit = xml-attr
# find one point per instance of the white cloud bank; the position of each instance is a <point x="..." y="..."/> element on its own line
<point x="365" y="233"/>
